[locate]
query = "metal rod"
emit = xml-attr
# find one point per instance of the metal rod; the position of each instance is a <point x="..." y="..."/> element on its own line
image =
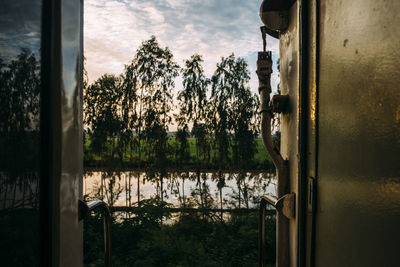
<point x="264" y="70"/>
<point x="86" y="209"/>
<point x="103" y="207"/>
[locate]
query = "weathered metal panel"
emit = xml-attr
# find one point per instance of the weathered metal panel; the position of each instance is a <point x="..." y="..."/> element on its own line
<point x="358" y="216"/>
<point x="71" y="242"/>
<point x="290" y="82"/>
<point x="311" y="124"/>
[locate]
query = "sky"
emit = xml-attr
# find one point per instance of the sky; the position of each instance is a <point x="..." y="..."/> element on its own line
<point x="113" y="30"/>
<point x="17" y="33"/>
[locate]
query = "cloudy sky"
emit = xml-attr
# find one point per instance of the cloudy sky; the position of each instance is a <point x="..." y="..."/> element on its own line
<point x="213" y="28"/>
<point x="19" y="27"/>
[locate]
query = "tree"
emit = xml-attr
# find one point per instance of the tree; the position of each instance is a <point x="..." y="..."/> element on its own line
<point x="102" y="115"/>
<point x="221" y="103"/>
<point x="234" y="115"/>
<point x="193" y="101"/>
<point x="244" y="122"/>
<point x="19" y="112"/>
<point x="155" y="72"/>
<point x="130" y="117"/>
<point x="220" y="113"/>
<point x="19" y="128"/>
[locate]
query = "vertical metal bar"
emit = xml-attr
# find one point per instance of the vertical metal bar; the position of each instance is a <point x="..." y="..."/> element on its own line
<point x="50" y="125"/>
<point x="107" y="238"/>
<point x="303" y="134"/>
<point x="85" y="209"/>
<point x="264" y="69"/>
<point x="317" y="32"/>
<point x="261" y="232"/>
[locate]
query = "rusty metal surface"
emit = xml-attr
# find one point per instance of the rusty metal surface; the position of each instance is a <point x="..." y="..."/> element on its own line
<point x="358" y="217"/>
<point x="289" y="71"/>
<point x="264" y="70"/>
<point x="311" y="132"/>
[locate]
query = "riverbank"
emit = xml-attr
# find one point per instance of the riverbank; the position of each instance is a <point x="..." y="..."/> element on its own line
<point x="129" y="159"/>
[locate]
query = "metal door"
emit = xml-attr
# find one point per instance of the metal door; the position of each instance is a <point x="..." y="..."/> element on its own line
<point x="351" y="133"/>
<point x="341" y="134"/>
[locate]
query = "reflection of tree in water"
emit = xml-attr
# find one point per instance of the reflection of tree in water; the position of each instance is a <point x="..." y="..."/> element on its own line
<point x="19" y="130"/>
<point x="109" y="189"/>
<point x="19" y="159"/>
<point x="215" y="190"/>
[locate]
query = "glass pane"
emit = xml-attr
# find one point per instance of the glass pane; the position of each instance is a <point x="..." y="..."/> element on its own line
<point x="19" y="132"/>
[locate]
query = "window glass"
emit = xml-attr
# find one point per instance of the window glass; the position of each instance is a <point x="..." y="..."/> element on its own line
<point x="20" y="33"/>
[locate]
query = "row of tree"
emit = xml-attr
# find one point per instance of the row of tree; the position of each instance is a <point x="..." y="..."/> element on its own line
<point x="128" y="117"/>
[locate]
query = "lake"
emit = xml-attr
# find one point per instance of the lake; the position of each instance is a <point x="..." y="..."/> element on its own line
<point x="205" y="189"/>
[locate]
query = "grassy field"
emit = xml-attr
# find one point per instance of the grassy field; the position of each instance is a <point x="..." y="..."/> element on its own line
<point x="261" y="159"/>
<point x="260" y="156"/>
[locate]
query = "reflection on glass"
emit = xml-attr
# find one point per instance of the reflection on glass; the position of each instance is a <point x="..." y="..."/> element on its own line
<point x="19" y="132"/>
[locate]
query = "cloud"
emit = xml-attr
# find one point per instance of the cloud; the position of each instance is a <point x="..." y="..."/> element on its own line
<point x="212" y="28"/>
<point x="17" y="33"/>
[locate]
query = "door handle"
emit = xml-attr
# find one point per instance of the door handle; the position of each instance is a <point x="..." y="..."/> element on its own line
<point x="85" y="209"/>
<point x="284" y="205"/>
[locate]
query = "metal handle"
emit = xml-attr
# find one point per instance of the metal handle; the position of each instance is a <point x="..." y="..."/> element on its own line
<point x="85" y="209"/>
<point x="284" y="206"/>
<point x="261" y="231"/>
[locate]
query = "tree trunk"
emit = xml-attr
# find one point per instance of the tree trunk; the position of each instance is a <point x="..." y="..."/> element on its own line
<point x="126" y="194"/>
<point x="138" y="187"/>
<point x="200" y="190"/>
<point x="162" y="187"/>
<point x="183" y="191"/>
<point x="220" y="200"/>
<point x="238" y="184"/>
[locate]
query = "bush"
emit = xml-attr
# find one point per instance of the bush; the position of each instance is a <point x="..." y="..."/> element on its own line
<point x="149" y="239"/>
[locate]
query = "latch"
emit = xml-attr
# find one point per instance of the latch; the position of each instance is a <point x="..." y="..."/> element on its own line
<point x="284" y="205"/>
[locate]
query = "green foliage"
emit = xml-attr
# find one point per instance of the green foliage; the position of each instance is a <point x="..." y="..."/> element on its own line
<point x="260" y="161"/>
<point x="193" y="98"/>
<point x="102" y="115"/>
<point x="128" y="117"/>
<point x="128" y="120"/>
<point x="193" y="106"/>
<point x="233" y="112"/>
<point x="187" y="241"/>
<point x="156" y="71"/>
